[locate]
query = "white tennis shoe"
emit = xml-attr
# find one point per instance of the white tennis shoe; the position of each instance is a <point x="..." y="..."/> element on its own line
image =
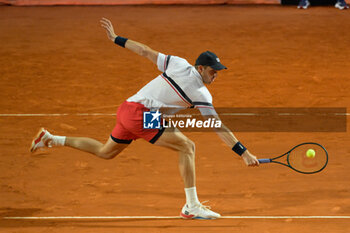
<point x="341" y="5"/>
<point x="198" y="212"/>
<point x="42" y="139"/>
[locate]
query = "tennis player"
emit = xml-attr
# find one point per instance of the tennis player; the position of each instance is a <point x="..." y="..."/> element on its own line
<point x="180" y="86"/>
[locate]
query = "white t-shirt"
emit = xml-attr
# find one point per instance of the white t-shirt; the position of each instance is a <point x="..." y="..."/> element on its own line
<point x="179" y="87"/>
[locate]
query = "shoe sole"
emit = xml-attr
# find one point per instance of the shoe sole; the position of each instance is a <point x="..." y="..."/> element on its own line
<point x="341" y="8"/>
<point x="189" y="217"/>
<point x="36" y="140"/>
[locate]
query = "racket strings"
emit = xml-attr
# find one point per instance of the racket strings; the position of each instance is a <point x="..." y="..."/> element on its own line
<point x="299" y="160"/>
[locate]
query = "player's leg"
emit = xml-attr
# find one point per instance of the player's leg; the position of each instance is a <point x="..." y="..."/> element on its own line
<point x="106" y="151"/>
<point x="175" y="140"/>
<point x="117" y="142"/>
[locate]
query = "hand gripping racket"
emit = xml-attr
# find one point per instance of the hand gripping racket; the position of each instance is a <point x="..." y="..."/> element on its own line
<point x="297" y="158"/>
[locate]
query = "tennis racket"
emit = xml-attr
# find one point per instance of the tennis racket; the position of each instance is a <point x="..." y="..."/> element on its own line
<point x="297" y="159"/>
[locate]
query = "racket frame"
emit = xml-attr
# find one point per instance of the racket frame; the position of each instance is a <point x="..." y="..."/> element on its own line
<point x="272" y="160"/>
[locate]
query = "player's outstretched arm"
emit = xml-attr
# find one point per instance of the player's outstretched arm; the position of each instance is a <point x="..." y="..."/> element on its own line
<point x="229" y="138"/>
<point x="136" y="47"/>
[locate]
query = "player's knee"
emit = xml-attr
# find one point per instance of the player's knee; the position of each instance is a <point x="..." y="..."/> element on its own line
<point x="105" y="155"/>
<point x="189" y="147"/>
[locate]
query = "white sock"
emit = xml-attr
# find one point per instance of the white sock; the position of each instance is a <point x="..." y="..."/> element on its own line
<point x="191" y="196"/>
<point x="56" y="140"/>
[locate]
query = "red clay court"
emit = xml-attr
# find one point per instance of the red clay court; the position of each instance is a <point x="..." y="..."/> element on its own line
<point x="59" y="70"/>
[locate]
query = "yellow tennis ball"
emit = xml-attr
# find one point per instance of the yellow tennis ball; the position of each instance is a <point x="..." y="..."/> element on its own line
<point x="310" y="153"/>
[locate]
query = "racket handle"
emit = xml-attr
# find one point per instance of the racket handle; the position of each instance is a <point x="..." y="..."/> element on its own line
<point x="264" y="160"/>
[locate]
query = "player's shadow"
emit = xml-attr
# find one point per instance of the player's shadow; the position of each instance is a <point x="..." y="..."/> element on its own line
<point x="18" y="212"/>
<point x="118" y="223"/>
<point x="99" y="223"/>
